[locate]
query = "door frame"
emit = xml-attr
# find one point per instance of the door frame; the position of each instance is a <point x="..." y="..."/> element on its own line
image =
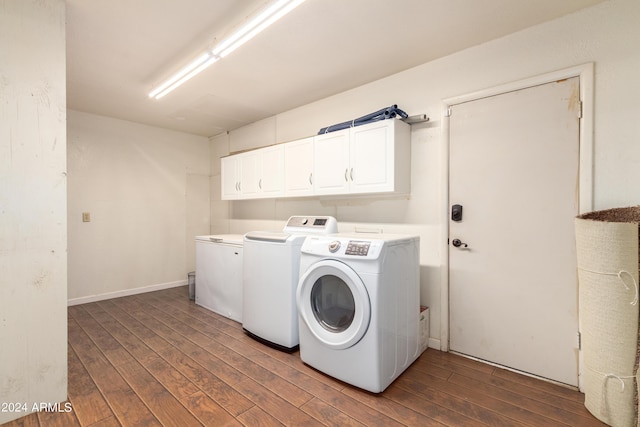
<point x="585" y="179"/>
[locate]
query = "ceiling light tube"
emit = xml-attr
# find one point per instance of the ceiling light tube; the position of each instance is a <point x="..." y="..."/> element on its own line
<point x="210" y="61"/>
<point x="202" y="62"/>
<point x="265" y="18"/>
<point x="261" y="21"/>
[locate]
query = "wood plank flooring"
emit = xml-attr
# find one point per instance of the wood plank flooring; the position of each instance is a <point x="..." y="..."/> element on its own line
<point x="158" y="359"/>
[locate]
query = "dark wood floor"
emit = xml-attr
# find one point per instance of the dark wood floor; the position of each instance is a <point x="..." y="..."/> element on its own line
<point x="158" y="359"/>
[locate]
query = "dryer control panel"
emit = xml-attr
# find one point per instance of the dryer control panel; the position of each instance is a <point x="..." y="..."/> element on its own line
<point x="344" y="247"/>
<point x="358" y="247"/>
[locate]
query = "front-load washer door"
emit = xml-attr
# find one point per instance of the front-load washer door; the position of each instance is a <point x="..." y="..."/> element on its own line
<point x="334" y="303"/>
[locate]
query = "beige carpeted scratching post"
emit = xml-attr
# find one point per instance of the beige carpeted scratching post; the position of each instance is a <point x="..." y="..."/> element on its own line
<point x="608" y="264"/>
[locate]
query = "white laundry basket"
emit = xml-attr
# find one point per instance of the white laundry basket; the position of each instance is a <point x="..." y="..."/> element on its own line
<point x="608" y="264"/>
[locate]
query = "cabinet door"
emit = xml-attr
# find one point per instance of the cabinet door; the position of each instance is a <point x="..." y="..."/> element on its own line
<point x="371" y="154"/>
<point x="230" y="177"/>
<point x="331" y="162"/>
<point x="249" y="174"/>
<point x="298" y="167"/>
<point x="271" y="183"/>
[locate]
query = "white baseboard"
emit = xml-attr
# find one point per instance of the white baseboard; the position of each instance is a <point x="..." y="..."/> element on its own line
<point x="434" y="343"/>
<point x="125" y="292"/>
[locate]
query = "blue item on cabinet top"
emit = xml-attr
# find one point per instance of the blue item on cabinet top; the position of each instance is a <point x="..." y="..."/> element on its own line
<point x="383" y="114"/>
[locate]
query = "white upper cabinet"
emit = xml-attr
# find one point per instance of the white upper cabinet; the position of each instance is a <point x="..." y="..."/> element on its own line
<point x="254" y="174"/>
<point x="250" y="163"/>
<point x="271" y="182"/>
<point x="331" y="162"/>
<point x="380" y="156"/>
<point x="373" y="158"/>
<point x="298" y="167"/>
<point x="230" y="170"/>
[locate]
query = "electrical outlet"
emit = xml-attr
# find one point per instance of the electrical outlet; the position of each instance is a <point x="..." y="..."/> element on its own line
<point x="86" y="217"/>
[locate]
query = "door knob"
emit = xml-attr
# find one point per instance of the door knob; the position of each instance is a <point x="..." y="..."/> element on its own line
<point x="458" y="243"/>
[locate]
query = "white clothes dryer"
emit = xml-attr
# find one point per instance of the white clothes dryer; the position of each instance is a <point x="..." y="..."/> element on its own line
<point x="358" y="306"/>
<point x="270" y="275"/>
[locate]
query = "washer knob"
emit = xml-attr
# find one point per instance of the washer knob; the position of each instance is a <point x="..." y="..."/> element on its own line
<point x="334" y="246"/>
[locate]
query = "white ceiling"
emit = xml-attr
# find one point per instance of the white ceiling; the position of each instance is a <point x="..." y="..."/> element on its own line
<point x="117" y="50"/>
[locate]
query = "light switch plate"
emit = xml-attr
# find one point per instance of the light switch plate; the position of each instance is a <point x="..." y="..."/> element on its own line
<point x="86" y="217"/>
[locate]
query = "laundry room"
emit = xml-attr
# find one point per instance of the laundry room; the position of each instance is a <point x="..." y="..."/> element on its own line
<point x="107" y="191"/>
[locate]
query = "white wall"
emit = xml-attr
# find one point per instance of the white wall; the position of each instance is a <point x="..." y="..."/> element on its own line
<point x="147" y="190"/>
<point x="607" y="34"/>
<point x="219" y="208"/>
<point x="33" y="230"/>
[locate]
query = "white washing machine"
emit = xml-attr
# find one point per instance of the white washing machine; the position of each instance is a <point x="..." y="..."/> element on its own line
<point x="219" y="274"/>
<point x="358" y="304"/>
<point x="270" y="276"/>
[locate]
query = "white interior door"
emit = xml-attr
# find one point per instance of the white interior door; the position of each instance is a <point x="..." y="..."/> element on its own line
<point x="514" y="162"/>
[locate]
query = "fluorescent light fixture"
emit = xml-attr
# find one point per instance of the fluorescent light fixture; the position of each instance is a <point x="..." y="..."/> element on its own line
<point x="202" y="62"/>
<point x="262" y="20"/>
<point x="268" y="16"/>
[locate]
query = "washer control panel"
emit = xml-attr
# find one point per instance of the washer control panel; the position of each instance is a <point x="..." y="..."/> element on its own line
<point x="358" y="247"/>
<point x="311" y="224"/>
